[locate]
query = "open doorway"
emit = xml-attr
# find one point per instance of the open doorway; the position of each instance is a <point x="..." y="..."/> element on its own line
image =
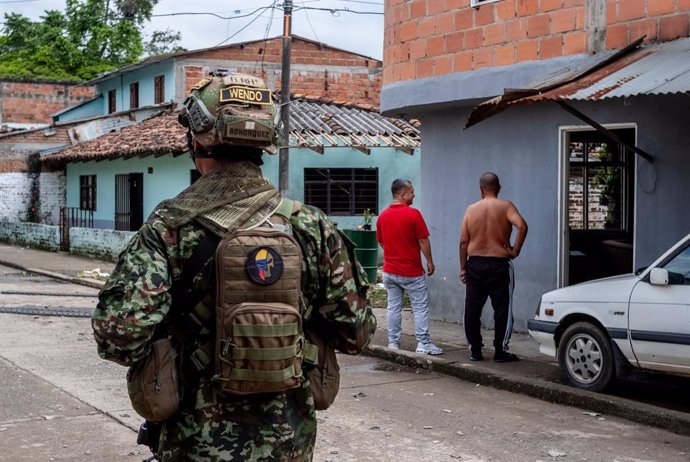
<point x="129" y="201"/>
<point x="598" y="205"/>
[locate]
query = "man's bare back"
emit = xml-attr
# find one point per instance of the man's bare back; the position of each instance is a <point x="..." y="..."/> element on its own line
<point x="488" y="228"/>
<point x="488" y="224"/>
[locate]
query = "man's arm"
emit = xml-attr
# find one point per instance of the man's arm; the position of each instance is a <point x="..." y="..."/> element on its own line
<point x="464" y="242"/>
<point x="425" y="245"/>
<point x="521" y="225"/>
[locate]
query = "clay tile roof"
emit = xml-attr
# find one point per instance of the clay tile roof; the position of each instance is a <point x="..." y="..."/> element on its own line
<point x="156" y="136"/>
<point x="314" y="123"/>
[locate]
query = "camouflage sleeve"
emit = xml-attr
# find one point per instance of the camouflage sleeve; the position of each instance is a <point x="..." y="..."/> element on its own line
<point x="335" y="286"/>
<point x="134" y="300"/>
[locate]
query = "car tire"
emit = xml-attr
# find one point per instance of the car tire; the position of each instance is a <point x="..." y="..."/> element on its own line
<point x="586" y="357"/>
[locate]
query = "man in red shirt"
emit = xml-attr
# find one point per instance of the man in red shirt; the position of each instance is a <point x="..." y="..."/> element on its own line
<point x="402" y="233"/>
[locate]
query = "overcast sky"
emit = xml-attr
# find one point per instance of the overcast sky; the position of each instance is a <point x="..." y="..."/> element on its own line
<point x="359" y="33"/>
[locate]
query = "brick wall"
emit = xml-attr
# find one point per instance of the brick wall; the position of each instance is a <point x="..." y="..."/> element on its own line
<point x="52" y="196"/>
<point x="315" y="70"/>
<point x="15" y="190"/>
<point x="426" y="38"/>
<point x="34" y="102"/>
<point x="30" y="235"/>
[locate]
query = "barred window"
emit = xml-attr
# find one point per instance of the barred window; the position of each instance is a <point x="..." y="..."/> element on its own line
<point x="87" y="192"/>
<point x="342" y="191"/>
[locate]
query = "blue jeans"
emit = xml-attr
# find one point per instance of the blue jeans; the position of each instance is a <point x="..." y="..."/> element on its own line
<point x="416" y="290"/>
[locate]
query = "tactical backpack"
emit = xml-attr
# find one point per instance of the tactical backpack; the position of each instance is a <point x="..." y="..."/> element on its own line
<point x="262" y="343"/>
<point x="259" y="332"/>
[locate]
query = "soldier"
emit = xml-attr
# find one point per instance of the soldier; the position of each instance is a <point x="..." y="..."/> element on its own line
<point x="230" y="120"/>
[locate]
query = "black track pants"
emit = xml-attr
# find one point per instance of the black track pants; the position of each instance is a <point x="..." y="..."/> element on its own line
<point x="489" y="277"/>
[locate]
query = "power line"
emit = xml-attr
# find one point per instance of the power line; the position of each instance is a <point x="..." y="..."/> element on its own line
<point x="204" y="13"/>
<point x="249" y="23"/>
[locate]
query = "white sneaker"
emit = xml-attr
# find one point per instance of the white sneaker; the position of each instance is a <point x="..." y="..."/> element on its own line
<point x="393" y="346"/>
<point x="428" y="349"/>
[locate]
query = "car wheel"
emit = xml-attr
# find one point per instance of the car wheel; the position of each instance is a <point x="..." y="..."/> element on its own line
<point x="586" y="357"/>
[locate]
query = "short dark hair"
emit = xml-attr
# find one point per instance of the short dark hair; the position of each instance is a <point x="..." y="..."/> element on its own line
<point x="399" y="186"/>
<point x="490" y="181"/>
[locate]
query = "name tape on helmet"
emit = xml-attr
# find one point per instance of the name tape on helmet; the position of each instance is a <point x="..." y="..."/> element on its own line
<point x="246" y="95"/>
<point x="248" y="130"/>
<point x="243" y="79"/>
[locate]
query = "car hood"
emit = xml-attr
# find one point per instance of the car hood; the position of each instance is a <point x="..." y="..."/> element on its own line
<point x="612" y="289"/>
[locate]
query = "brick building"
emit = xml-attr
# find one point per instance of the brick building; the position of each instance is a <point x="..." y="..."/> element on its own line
<point x="578" y="106"/>
<point x="25" y="102"/>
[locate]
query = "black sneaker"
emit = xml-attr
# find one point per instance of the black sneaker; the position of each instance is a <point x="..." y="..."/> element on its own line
<point x="476" y="355"/>
<point x="505" y="357"/>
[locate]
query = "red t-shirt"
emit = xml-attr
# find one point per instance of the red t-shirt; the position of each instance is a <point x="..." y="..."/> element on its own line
<point x="399" y="229"/>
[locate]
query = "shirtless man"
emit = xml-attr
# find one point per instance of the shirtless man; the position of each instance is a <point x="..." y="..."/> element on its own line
<point x="486" y="268"/>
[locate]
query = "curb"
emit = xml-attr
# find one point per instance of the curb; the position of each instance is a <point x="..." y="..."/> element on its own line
<point x="93" y="283"/>
<point x="556" y="393"/>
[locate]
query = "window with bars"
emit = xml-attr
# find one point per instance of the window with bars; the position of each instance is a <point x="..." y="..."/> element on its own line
<point x="159" y="89"/>
<point x="342" y="191"/>
<point x="599" y="184"/>
<point x="134" y="95"/>
<point x="112" y="101"/>
<point x="87" y="192"/>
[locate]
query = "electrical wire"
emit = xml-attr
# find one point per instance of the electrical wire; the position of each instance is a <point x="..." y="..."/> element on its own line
<point x="247" y="25"/>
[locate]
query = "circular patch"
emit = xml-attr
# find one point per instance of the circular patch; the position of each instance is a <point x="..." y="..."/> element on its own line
<point x="264" y="265"/>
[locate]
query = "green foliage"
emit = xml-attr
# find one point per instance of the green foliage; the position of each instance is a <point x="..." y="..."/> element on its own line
<point x="88" y="38"/>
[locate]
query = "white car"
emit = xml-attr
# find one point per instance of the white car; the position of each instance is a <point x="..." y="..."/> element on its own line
<point x="599" y="329"/>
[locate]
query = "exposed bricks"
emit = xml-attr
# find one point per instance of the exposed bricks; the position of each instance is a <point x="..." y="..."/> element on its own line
<point x="512" y="31"/>
<point x="673" y="27"/>
<point x="34" y="102"/>
<point x="350" y="77"/>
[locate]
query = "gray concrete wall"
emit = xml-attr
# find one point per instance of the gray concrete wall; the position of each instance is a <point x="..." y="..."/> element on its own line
<point x="30" y="235"/>
<point x="522" y="146"/>
<point x="100" y="243"/>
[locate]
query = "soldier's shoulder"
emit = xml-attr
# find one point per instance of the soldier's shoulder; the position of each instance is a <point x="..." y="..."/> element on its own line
<point x="312" y="220"/>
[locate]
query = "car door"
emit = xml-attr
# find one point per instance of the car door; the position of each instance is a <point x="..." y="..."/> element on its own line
<point x="659" y="317"/>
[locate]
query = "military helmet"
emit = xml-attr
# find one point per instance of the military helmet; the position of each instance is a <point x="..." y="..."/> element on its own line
<point x="234" y="109"/>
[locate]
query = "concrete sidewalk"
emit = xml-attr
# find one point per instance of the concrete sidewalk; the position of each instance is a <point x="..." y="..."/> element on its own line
<point x="535" y="375"/>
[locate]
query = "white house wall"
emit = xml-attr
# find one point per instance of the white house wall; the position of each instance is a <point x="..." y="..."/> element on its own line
<point x="15" y="190"/>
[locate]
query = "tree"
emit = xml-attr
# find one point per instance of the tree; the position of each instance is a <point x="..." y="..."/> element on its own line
<point x="162" y="42"/>
<point x="88" y="38"/>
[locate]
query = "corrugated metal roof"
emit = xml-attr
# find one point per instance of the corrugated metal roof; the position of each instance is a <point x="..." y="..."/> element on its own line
<point x="662" y="69"/>
<point x="656" y="69"/>
<point x="314" y="124"/>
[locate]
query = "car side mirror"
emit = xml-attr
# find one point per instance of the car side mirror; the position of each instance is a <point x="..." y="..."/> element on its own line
<point x="658" y="277"/>
<point x="640" y="270"/>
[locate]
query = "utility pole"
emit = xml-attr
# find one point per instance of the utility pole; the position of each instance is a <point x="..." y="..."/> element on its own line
<point x="283" y="160"/>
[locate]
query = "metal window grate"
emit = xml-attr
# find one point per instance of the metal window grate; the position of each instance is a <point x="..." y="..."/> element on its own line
<point x="87" y="192"/>
<point x="342" y="191"/>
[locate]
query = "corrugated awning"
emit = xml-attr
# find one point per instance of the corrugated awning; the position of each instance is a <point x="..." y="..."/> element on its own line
<point x="657" y="69"/>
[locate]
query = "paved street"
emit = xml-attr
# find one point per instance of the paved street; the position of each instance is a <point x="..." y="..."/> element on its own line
<point x="61" y="402"/>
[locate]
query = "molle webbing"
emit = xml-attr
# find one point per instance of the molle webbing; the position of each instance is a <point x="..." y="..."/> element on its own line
<point x="259" y="334"/>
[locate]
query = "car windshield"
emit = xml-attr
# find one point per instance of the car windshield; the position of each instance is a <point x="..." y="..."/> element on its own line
<point x="679" y="267"/>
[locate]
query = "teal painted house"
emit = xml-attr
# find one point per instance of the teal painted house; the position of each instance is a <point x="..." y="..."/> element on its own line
<point x="343" y="159"/>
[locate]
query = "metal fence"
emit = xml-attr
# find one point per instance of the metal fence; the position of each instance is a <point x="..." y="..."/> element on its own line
<point x="73" y="217"/>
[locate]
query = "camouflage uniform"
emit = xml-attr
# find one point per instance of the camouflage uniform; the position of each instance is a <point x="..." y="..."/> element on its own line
<point x="136" y="301"/>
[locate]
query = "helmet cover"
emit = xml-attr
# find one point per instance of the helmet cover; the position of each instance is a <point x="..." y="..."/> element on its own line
<point x="235" y="109"/>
